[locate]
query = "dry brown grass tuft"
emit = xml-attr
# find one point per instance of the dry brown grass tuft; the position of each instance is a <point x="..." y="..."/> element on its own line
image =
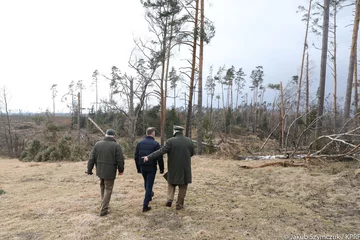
<point x="59" y="201"/>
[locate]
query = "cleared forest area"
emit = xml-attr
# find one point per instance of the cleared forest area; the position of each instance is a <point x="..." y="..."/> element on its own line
<point x="58" y="200"/>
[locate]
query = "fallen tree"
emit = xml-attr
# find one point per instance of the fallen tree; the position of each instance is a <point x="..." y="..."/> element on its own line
<point x="280" y="163"/>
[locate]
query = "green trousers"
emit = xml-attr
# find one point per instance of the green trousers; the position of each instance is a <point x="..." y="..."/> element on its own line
<point x="106" y="187"/>
<point x="181" y="195"/>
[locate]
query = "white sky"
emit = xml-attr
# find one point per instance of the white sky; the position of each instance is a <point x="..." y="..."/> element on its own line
<point x="47" y="42"/>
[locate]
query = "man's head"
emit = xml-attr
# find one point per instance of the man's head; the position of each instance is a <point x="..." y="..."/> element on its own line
<point x="150" y="131"/>
<point x="110" y="133"/>
<point x="177" y="129"/>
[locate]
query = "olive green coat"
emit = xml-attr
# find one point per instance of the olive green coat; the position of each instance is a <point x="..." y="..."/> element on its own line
<point x="108" y="157"/>
<point x="179" y="150"/>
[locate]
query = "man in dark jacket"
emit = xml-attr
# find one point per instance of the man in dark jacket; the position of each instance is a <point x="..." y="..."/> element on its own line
<point x="179" y="149"/>
<point x="108" y="157"/>
<point x="148" y="169"/>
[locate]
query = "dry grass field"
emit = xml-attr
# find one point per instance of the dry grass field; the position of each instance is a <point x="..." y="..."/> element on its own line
<point x="59" y="201"/>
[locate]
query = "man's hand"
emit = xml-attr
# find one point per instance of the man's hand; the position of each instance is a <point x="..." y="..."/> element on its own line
<point x="120" y="173"/>
<point x="145" y="159"/>
<point x="89" y="172"/>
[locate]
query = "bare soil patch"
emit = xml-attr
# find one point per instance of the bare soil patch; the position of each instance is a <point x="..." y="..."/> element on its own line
<point x="59" y="201"/>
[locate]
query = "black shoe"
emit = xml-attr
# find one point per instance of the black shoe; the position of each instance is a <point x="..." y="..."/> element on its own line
<point x="146" y="209"/>
<point x="104" y="213"/>
<point x="168" y="203"/>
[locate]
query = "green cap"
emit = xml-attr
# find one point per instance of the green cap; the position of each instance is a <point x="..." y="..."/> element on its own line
<point x="110" y="132"/>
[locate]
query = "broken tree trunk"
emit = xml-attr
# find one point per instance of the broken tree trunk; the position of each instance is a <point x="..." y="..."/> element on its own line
<point x="97" y="126"/>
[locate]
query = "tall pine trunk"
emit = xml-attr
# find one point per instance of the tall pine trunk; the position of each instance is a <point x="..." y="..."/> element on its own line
<point x="282" y="117"/>
<point x="356" y="97"/>
<point x="307" y="106"/>
<point x="302" y="61"/>
<point x="335" y="67"/>
<point x="192" y="77"/>
<point x="201" y="60"/>
<point x="352" y="62"/>
<point x="163" y="87"/>
<point x="324" y="51"/>
<point x="166" y="78"/>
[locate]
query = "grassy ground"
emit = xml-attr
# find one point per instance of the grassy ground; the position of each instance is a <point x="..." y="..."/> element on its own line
<point x="59" y="201"/>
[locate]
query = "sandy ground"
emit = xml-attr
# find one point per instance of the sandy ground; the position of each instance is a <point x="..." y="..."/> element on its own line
<point x="59" y="201"/>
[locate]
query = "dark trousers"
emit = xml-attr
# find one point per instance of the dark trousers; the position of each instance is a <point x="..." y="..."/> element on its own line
<point x="149" y="178"/>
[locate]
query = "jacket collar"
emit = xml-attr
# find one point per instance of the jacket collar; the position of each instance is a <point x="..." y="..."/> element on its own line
<point x="110" y="139"/>
<point x="149" y="137"/>
<point x="178" y="134"/>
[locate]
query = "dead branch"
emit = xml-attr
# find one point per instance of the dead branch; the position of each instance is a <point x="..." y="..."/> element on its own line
<point x="267" y="139"/>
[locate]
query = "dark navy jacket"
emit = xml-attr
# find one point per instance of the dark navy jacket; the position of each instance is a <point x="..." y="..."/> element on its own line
<point x="145" y="147"/>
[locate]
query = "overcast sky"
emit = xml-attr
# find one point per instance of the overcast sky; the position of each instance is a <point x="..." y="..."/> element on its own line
<point x="47" y="42"/>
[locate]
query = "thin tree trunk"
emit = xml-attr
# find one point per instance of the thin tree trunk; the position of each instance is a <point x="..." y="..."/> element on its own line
<point x="166" y="78"/>
<point x="96" y="93"/>
<point x="211" y="108"/>
<point x="282" y="112"/>
<point x="162" y="112"/>
<point x="174" y="97"/>
<point x="231" y="94"/>
<point x="78" y="117"/>
<point x="302" y="61"/>
<point x="356" y="98"/>
<point x="352" y="62"/>
<point x="163" y="90"/>
<point x="201" y="58"/>
<point x="255" y="108"/>
<point x="307" y="87"/>
<point x="192" y="77"/>
<point x="324" y="52"/>
<point x="6" y="134"/>
<point x="260" y="103"/>
<point x="132" y="118"/>
<point x="8" y="127"/>
<point x="54" y="106"/>
<point x="335" y="67"/>
<point x="222" y="93"/>
<point x="185" y="101"/>
<point x="237" y="98"/>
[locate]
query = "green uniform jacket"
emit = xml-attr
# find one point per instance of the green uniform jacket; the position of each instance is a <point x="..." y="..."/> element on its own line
<point x="108" y="157"/>
<point x="179" y="149"/>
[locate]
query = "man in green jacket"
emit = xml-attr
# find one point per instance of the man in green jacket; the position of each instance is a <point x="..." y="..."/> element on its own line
<point x="108" y="157"/>
<point x="179" y="149"/>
